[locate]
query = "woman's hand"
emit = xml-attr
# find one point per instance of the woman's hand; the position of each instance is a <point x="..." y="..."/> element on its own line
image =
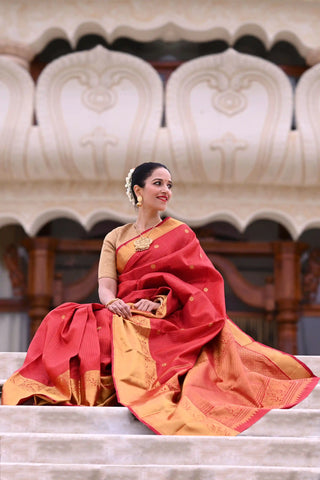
<point x="107" y="293"/>
<point x="145" y="305"/>
<point x="119" y="307"/>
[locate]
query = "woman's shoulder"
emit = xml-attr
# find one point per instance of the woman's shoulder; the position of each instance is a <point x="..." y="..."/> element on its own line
<point x="178" y="227"/>
<point x="118" y="232"/>
<point x="177" y="223"/>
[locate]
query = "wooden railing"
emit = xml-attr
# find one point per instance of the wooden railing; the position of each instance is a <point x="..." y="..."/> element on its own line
<point x="280" y="296"/>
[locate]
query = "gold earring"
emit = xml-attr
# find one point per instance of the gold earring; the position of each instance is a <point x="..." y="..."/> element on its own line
<point x="139" y="202"/>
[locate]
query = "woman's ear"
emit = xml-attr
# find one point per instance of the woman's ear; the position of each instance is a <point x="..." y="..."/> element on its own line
<point x="137" y="190"/>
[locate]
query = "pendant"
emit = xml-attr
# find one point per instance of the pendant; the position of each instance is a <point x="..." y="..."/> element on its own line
<point x="142" y="243"/>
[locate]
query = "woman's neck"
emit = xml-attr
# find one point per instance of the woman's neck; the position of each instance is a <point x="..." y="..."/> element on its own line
<point x="145" y="221"/>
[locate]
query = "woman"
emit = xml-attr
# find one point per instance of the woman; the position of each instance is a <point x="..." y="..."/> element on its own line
<point x="160" y="342"/>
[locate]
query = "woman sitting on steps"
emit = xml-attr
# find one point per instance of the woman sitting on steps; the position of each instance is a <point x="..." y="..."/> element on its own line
<point x="160" y="342"/>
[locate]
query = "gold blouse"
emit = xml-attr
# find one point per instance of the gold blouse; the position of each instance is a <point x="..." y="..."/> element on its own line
<point x="113" y="240"/>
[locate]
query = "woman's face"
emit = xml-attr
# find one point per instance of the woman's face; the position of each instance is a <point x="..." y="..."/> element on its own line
<point x="157" y="190"/>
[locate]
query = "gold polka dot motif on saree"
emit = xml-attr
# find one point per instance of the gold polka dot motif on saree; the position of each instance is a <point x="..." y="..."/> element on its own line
<point x="191" y="299"/>
<point x="153" y="266"/>
<point x="205" y="289"/>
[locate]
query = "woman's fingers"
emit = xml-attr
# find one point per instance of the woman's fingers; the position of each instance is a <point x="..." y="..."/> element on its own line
<point x="146" y="305"/>
<point x="119" y="307"/>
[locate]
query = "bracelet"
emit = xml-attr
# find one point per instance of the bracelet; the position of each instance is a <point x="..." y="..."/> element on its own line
<point x="159" y="299"/>
<point x="111" y="301"/>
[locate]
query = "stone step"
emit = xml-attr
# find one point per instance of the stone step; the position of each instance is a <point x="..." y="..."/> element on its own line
<point x="9" y="363"/>
<point x="119" y="420"/>
<point x="29" y="471"/>
<point x="128" y="450"/>
<point x="312" y="361"/>
<point x="82" y="420"/>
<point x="312" y="401"/>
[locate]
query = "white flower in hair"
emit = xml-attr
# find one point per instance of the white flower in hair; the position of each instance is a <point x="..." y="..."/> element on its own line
<point x="128" y="187"/>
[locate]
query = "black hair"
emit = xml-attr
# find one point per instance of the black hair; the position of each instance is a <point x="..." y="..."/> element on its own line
<point x="142" y="172"/>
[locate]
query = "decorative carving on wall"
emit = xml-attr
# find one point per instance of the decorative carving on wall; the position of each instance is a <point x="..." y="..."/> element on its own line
<point x="308" y="121"/>
<point x="229" y="102"/>
<point x="227" y="141"/>
<point x="98" y="96"/>
<point x="228" y="145"/>
<point x="229" y="113"/>
<point x="99" y="141"/>
<point x="110" y="101"/>
<point x="16" y="110"/>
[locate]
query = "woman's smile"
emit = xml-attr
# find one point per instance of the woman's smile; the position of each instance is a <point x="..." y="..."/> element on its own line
<point x="163" y="198"/>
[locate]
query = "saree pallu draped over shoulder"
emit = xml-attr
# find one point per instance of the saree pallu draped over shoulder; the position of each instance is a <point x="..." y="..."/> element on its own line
<point x="185" y="370"/>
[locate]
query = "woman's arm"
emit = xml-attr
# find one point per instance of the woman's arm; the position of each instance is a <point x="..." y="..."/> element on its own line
<point x="107" y="294"/>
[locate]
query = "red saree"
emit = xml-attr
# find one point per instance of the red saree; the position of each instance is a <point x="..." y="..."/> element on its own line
<point x="186" y="370"/>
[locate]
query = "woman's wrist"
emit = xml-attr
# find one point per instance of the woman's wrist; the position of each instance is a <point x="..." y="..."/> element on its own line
<point x="111" y="301"/>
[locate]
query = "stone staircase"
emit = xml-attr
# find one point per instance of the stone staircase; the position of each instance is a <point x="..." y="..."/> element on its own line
<point x="92" y="443"/>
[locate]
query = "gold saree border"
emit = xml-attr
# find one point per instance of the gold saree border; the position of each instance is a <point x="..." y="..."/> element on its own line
<point x="157" y="405"/>
<point x="289" y="364"/>
<point x="128" y="249"/>
<point x="92" y="389"/>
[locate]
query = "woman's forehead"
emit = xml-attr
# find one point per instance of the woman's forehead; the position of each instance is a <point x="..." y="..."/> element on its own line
<point x="160" y="172"/>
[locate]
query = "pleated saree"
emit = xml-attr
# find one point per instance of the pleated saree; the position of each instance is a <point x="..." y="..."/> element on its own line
<point x="185" y="370"/>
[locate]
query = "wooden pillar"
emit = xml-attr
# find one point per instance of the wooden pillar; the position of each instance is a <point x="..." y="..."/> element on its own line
<point x="40" y="278"/>
<point x="287" y="293"/>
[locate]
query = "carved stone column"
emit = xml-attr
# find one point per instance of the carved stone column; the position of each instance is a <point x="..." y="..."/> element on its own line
<point x="287" y="293"/>
<point x="40" y="278"/>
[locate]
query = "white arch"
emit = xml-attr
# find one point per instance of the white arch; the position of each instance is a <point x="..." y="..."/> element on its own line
<point x="6" y="220"/>
<point x="53" y="214"/>
<point x="276" y="216"/>
<point x="313" y="223"/>
<point x="106" y="214"/>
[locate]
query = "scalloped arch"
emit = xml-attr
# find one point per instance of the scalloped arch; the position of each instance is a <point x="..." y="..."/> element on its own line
<point x="105" y="215"/>
<point x="170" y="32"/>
<point x="312" y="224"/>
<point x="276" y="216"/>
<point x="224" y="216"/>
<point x="88" y="28"/>
<point x="53" y="214"/>
<point x="32" y="227"/>
<point x="254" y="30"/>
<point x="171" y="27"/>
<point x="6" y="220"/>
<point x="47" y="36"/>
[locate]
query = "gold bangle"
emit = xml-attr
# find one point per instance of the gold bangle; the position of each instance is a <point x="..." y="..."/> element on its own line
<point x="159" y="300"/>
<point x="111" y="301"/>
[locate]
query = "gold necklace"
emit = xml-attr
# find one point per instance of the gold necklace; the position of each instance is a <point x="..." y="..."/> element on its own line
<point x="143" y="242"/>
